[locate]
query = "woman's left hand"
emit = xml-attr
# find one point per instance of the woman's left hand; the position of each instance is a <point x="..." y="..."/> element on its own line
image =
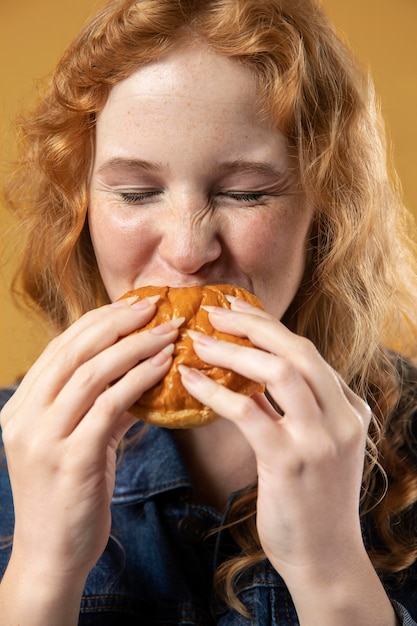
<point x="309" y="459"/>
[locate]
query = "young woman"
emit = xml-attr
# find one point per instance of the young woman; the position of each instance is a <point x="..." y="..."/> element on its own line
<point x="188" y="143"/>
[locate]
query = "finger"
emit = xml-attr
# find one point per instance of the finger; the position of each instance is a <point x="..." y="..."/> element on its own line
<point x="264" y="330"/>
<point x="91" y="334"/>
<point x="102" y="420"/>
<point x="272" y="336"/>
<point x="122" y="426"/>
<point x="361" y="407"/>
<point x="264" y="434"/>
<point x="282" y="380"/>
<point x="237" y="304"/>
<point x="92" y="377"/>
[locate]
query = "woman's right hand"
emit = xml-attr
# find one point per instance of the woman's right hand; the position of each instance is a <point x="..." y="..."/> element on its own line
<point x="61" y="430"/>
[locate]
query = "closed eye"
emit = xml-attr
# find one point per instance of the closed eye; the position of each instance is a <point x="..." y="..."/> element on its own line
<point x="136" y="197"/>
<point x="243" y="196"/>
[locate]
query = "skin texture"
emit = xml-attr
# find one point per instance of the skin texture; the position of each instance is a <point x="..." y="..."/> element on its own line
<point x="181" y="159"/>
<point x="199" y="143"/>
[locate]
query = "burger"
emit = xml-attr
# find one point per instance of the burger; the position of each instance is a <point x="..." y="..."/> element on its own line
<point x="168" y="403"/>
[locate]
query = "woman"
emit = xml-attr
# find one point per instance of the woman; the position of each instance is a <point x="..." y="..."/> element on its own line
<point x="188" y="143"/>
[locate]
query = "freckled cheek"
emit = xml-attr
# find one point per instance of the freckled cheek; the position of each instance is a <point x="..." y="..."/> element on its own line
<point x="120" y="250"/>
<point x="272" y="252"/>
<point x="264" y="242"/>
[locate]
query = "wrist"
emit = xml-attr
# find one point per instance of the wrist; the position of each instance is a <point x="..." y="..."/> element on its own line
<point x="344" y="593"/>
<point x="65" y="564"/>
<point x="40" y="598"/>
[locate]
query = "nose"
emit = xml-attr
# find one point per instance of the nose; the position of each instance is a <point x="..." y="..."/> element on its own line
<point x="190" y="243"/>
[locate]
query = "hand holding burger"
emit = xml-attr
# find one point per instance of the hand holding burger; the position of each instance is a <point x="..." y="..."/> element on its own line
<point x="168" y="403"/>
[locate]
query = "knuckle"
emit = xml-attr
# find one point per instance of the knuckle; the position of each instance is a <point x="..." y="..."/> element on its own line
<point x="325" y="451"/>
<point x="306" y="348"/>
<point x="106" y="404"/>
<point x="86" y="375"/>
<point x="4" y="416"/>
<point x="111" y="326"/>
<point x="8" y="425"/>
<point x="53" y="346"/>
<point x="283" y="371"/>
<point x="8" y="435"/>
<point x="62" y="354"/>
<point x="13" y="438"/>
<point x="365" y="413"/>
<point x="250" y="323"/>
<point x="350" y="435"/>
<point x="246" y="408"/>
<point x="354" y="434"/>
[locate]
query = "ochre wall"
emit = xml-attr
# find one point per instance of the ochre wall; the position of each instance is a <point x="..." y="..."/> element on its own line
<point x="34" y="33"/>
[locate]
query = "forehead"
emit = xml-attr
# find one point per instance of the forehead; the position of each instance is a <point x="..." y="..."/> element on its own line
<point x="188" y="78"/>
<point x="193" y="103"/>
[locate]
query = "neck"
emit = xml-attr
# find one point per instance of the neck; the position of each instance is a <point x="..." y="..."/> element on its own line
<point x="219" y="460"/>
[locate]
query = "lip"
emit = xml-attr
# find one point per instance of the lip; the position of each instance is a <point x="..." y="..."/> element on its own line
<point x="183" y="285"/>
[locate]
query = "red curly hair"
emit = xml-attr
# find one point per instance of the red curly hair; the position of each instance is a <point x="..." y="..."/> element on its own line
<point x="357" y="299"/>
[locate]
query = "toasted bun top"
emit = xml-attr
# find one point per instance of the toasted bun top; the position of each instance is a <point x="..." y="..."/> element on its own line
<point x="168" y="403"/>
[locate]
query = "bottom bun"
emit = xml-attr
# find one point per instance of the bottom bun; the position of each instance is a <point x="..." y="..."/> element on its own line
<point x="168" y="403"/>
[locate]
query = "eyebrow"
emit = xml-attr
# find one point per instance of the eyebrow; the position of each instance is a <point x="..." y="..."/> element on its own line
<point x="122" y="163"/>
<point x="244" y="166"/>
<point x="252" y="167"/>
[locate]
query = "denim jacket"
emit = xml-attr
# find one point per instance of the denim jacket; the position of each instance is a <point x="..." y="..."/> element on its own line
<point x="158" y="566"/>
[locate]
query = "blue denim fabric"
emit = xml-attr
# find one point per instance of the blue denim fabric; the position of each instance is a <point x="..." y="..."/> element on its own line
<point x="157" y="568"/>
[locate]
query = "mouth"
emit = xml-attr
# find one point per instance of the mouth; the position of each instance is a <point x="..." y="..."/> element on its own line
<point x="194" y="283"/>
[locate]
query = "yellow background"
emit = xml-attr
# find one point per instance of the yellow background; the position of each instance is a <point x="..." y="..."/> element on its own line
<point x="34" y="33"/>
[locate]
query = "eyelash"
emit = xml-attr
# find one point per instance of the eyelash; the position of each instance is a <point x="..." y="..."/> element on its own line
<point x="243" y="197"/>
<point x="133" y="197"/>
<point x="136" y="197"/>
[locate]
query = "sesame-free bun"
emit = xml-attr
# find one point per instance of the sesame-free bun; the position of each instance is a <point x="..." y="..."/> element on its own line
<point x="168" y="403"/>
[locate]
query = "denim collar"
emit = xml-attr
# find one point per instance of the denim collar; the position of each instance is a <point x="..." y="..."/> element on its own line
<point x="149" y="466"/>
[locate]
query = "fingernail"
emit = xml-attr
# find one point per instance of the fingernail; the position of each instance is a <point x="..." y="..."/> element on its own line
<point x="201" y="338"/>
<point x="124" y="302"/>
<point x="240" y="304"/>
<point x="163" y="356"/>
<point x="217" y="310"/>
<point x="145" y="303"/>
<point x="168" y="327"/>
<point x="190" y="374"/>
